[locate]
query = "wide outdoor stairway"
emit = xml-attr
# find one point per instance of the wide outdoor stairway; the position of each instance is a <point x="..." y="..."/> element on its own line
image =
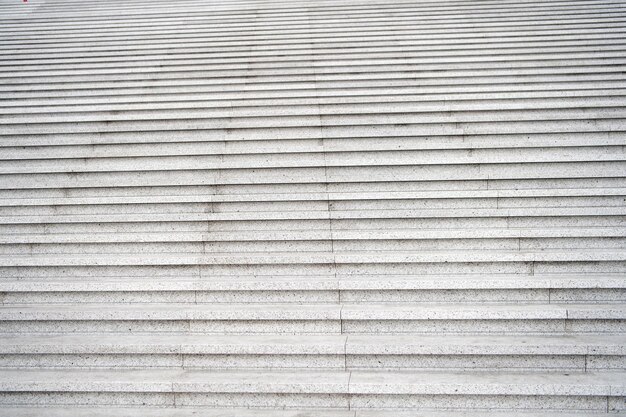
<point x="337" y="208"/>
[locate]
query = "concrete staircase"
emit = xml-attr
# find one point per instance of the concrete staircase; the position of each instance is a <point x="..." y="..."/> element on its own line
<point x="315" y="208"/>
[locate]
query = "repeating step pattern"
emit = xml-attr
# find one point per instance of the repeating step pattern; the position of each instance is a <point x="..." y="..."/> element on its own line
<point x="294" y="208"/>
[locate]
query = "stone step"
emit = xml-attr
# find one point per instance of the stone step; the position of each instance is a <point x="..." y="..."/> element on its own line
<point x="200" y="110"/>
<point x="315" y="319"/>
<point x="578" y="353"/>
<point x="389" y="311"/>
<point x="529" y="236"/>
<point x="319" y="245"/>
<point x="231" y="145"/>
<point x="327" y="67"/>
<point x="322" y="213"/>
<point x="122" y="201"/>
<point x="417" y="130"/>
<point x="234" y="100"/>
<point x="593" y="295"/>
<point x="251" y="77"/>
<point x="519" y="187"/>
<point x="312" y="289"/>
<point x="268" y="227"/>
<point x="217" y="85"/>
<point x="337" y="202"/>
<point x="463" y="172"/>
<point x="315" y="344"/>
<point x="589" y="392"/>
<point x="298" y="160"/>
<point x="299" y="192"/>
<point x="199" y="157"/>
<point x="198" y="281"/>
<point x="374" y="88"/>
<point x="319" y="43"/>
<point x="91" y="105"/>
<point x="340" y="205"/>
<point x="355" y="257"/>
<point x="234" y="70"/>
<point x="290" y="269"/>
<point x="371" y="119"/>
<point x="522" y="187"/>
<point x="259" y="55"/>
<point x="361" y="57"/>
<point x="77" y="411"/>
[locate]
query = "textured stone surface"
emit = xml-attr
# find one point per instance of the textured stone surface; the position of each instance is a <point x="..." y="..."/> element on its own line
<point x="312" y="208"/>
<point x="184" y="412"/>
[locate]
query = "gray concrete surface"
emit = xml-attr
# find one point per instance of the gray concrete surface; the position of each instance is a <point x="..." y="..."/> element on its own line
<point x="312" y="208"/>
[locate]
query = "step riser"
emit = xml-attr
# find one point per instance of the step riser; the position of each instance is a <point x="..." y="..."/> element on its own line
<point x="317" y="246"/>
<point x="318" y="204"/>
<point x="332" y="401"/>
<point x="216" y="191"/>
<point x="495" y="327"/>
<point x="311" y="193"/>
<point x="310" y="89"/>
<point x="206" y="271"/>
<point x="16" y="99"/>
<point x="254" y="37"/>
<point x="295" y="46"/>
<point x="414" y="103"/>
<point x="383" y="120"/>
<point x="236" y="227"/>
<point x="529" y="237"/>
<point x="161" y="103"/>
<point x="527" y="296"/>
<point x="295" y="58"/>
<point x="529" y="170"/>
<point x="36" y="106"/>
<point x="240" y="77"/>
<point x="307" y="115"/>
<point x="263" y="156"/>
<point x="486" y="362"/>
<point x="272" y="153"/>
<point x="261" y="57"/>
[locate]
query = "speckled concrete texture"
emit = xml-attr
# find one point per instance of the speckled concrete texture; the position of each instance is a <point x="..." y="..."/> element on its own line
<point x="312" y="208"/>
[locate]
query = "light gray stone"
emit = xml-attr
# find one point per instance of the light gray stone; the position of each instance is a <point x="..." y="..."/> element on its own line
<point x="312" y="208"/>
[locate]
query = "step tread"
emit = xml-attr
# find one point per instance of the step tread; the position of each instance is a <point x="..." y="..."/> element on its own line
<point x="399" y="344"/>
<point x="324" y="214"/>
<point x="139" y="238"/>
<point x="107" y="411"/>
<point x="329" y="382"/>
<point x="311" y="282"/>
<point x="316" y="257"/>
<point x="269" y="196"/>
<point x="372" y="311"/>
